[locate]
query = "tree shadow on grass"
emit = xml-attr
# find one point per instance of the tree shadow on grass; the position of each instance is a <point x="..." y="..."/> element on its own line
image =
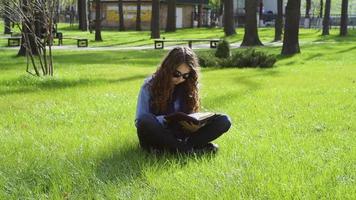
<point x="12" y="61"/>
<point x="336" y="38"/>
<point x="143" y="58"/>
<point x="125" y="165"/>
<point x="128" y="42"/>
<point x="283" y="57"/>
<point x="318" y="55"/>
<point x="26" y="84"/>
<point x="347" y="50"/>
<point x="248" y="85"/>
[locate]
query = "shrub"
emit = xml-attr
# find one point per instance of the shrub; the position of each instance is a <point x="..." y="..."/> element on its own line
<point x="223" y="49"/>
<point x="225" y="62"/>
<point x="252" y="58"/>
<point x="244" y="58"/>
<point x="207" y="60"/>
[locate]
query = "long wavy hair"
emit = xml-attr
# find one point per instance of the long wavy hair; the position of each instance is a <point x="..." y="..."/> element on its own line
<point x="161" y="84"/>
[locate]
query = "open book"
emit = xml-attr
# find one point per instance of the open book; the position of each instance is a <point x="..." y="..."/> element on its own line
<point x="199" y="118"/>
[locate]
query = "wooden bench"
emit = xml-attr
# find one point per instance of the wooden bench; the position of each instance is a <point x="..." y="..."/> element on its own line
<point x="159" y="43"/>
<point x="13" y="41"/>
<point x="81" y="42"/>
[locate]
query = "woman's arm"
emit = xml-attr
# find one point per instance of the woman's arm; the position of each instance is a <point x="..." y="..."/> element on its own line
<point x="143" y="105"/>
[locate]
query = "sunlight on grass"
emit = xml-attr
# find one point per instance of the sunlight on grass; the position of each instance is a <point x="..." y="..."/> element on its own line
<point x="114" y="38"/>
<point x="72" y="136"/>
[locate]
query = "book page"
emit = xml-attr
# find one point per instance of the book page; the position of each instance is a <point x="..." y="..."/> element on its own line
<point x="201" y="115"/>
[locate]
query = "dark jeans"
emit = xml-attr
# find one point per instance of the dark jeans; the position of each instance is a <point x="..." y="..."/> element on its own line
<point x="152" y="134"/>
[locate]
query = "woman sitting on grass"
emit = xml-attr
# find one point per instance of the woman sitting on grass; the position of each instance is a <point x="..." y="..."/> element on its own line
<point x="174" y="88"/>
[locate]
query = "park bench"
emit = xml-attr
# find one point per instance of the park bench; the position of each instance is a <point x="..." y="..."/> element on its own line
<point x="159" y="43"/>
<point x="13" y="41"/>
<point x="81" y="42"/>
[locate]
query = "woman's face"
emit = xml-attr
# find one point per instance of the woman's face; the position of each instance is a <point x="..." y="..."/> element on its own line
<point x="181" y="74"/>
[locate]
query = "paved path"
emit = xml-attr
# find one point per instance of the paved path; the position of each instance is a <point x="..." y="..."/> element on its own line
<point x="151" y="47"/>
<point x="146" y="47"/>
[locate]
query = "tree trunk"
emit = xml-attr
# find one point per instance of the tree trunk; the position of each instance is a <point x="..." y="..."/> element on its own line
<point x="7" y="21"/>
<point x="26" y="32"/>
<point x="171" y="16"/>
<point x="321" y="9"/>
<point x="121" y="16"/>
<point x="344" y="18"/>
<point x="291" y="28"/>
<point x="307" y="14"/>
<point x="91" y="22"/>
<point x="200" y="15"/>
<point x="229" y="22"/>
<point x="97" y="21"/>
<point x="22" y="50"/>
<point x="251" y="33"/>
<point x="155" y="19"/>
<point x="307" y="8"/>
<point x="326" y="19"/>
<point x="279" y="21"/>
<point x="82" y="14"/>
<point x="138" y="16"/>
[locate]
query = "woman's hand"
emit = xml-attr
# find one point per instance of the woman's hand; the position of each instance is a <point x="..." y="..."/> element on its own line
<point x="188" y="126"/>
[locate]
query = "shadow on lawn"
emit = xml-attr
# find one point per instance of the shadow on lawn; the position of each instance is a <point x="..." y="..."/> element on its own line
<point x="128" y="164"/>
<point x="144" y="58"/>
<point x="347" y="50"/>
<point x="121" y="166"/>
<point x="10" y="61"/>
<point x="28" y="85"/>
<point x="129" y="42"/>
<point x="248" y="85"/>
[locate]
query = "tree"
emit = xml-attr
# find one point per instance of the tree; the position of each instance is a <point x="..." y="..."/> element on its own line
<point x="30" y="28"/>
<point x="7" y="21"/>
<point x="291" y="28"/>
<point x="138" y="16"/>
<point x="229" y="22"/>
<point x="97" y="21"/>
<point x="344" y="18"/>
<point x="171" y="16"/>
<point x="307" y="14"/>
<point x="121" y="16"/>
<point x="36" y="19"/>
<point x="321" y="8"/>
<point x="200" y="15"/>
<point x="155" y="19"/>
<point x="82" y="14"/>
<point x="279" y="21"/>
<point x="326" y="19"/>
<point x="251" y="33"/>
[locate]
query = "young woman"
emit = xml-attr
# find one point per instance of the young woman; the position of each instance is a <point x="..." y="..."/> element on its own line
<point x="174" y="88"/>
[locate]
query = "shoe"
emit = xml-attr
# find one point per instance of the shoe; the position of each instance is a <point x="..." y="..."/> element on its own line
<point x="208" y="148"/>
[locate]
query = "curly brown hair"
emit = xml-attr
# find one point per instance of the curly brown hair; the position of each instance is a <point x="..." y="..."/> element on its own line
<point x="161" y="83"/>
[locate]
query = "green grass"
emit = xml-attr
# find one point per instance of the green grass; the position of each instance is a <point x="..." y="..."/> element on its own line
<point x="73" y="136"/>
<point x="114" y="38"/>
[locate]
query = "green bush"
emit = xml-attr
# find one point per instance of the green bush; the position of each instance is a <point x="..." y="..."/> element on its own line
<point x="223" y="49"/>
<point x="252" y="58"/>
<point x="225" y="62"/>
<point x="243" y="58"/>
<point x="207" y="60"/>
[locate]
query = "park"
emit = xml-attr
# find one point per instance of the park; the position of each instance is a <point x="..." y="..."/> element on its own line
<point x="68" y="131"/>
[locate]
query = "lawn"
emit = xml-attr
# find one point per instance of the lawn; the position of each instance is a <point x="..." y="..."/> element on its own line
<point x="114" y="38"/>
<point x="73" y="136"/>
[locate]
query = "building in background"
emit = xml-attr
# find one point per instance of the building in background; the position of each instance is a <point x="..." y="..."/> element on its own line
<point x="186" y="13"/>
<point x="266" y="10"/>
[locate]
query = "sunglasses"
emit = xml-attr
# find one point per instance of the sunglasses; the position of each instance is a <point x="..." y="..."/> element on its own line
<point x="178" y="74"/>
